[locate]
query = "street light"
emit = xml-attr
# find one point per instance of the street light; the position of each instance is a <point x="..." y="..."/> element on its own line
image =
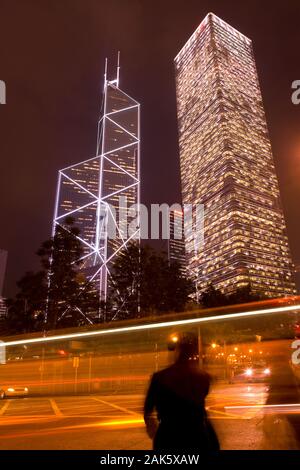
<point x="174" y="339"/>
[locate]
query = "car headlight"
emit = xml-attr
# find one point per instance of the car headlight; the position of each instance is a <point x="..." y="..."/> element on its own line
<point x="25" y="389"/>
<point x="249" y="372"/>
<point x="267" y="371"/>
<point x="10" y="389"/>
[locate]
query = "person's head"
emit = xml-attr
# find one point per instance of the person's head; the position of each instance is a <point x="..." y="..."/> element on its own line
<point x="185" y="346"/>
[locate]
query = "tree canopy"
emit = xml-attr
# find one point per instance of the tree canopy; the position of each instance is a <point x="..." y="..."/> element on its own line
<point x="56" y="296"/>
<point x="213" y="297"/>
<point x="143" y="282"/>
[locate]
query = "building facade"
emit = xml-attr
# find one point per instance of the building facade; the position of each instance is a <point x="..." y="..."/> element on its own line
<point x="3" y="262"/>
<point x="3" y="308"/>
<point x="176" y="243"/>
<point x="99" y="193"/>
<point x="227" y="165"/>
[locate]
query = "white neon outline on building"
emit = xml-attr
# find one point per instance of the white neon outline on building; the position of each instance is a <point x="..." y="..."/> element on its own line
<point x="99" y="247"/>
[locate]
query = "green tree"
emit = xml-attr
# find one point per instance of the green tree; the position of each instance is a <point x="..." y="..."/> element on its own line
<point x="144" y="283"/>
<point x="70" y="298"/>
<point x="177" y="288"/>
<point x="58" y="295"/>
<point x="25" y="312"/>
<point x="124" y="283"/>
<point x="244" y="295"/>
<point x="213" y="297"/>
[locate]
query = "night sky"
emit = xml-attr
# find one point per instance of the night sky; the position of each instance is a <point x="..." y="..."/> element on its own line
<point x="52" y="60"/>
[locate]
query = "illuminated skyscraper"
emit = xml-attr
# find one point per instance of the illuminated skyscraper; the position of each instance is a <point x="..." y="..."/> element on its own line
<point x="3" y="261"/>
<point x="99" y="192"/>
<point x="176" y="244"/>
<point x="227" y="164"/>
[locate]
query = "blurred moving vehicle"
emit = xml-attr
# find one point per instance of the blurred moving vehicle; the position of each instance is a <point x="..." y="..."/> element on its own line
<point x="11" y="392"/>
<point x="257" y="373"/>
<point x="254" y="372"/>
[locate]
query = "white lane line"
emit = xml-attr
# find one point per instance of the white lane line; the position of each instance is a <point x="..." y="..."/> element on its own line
<point x="55" y="408"/>
<point x="4" y="408"/>
<point x="117" y="407"/>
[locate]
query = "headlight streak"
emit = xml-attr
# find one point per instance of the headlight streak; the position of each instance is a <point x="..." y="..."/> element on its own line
<point x="276" y="406"/>
<point x="151" y="326"/>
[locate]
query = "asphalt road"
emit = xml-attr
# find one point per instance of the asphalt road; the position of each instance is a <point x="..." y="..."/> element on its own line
<point x="115" y="422"/>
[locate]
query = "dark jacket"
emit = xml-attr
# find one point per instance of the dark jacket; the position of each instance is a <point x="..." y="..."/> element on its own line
<point x="178" y="396"/>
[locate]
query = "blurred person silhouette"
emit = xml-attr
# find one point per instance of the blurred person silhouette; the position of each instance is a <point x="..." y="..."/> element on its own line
<point x="174" y="410"/>
<point x="281" y="422"/>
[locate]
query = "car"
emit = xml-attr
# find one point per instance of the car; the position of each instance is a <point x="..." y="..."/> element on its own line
<point x="11" y="392"/>
<point x="15" y="358"/>
<point x="255" y="372"/>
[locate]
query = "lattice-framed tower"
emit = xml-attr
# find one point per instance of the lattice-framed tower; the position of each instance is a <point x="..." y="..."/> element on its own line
<point x="102" y="193"/>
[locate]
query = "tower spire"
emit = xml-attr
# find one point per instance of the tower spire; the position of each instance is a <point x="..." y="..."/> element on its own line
<point x="105" y="72"/>
<point x="118" y="69"/>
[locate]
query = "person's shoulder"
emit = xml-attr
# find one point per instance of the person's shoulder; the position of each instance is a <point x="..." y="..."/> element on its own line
<point x="202" y="373"/>
<point x="163" y="373"/>
<point x="178" y="370"/>
<point x="199" y="374"/>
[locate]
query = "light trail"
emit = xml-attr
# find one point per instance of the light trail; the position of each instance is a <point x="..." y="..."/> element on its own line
<point x="96" y="380"/>
<point x="291" y="406"/>
<point x="151" y="326"/>
<point x="78" y="427"/>
<point x="122" y="422"/>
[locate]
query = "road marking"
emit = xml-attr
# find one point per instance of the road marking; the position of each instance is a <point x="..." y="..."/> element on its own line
<point x="4" y="408"/>
<point x="117" y="407"/>
<point x="55" y="408"/>
<point x="139" y="422"/>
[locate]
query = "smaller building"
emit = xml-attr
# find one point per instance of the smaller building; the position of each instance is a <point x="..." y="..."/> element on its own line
<point x="3" y="308"/>
<point x="3" y="261"/>
<point x="176" y="243"/>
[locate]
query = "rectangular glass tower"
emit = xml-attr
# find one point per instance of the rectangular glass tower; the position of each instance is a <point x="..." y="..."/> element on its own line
<point x="176" y="244"/>
<point x="227" y="164"/>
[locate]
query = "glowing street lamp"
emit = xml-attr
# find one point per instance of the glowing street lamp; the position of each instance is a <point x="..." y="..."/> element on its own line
<point x="174" y="339"/>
